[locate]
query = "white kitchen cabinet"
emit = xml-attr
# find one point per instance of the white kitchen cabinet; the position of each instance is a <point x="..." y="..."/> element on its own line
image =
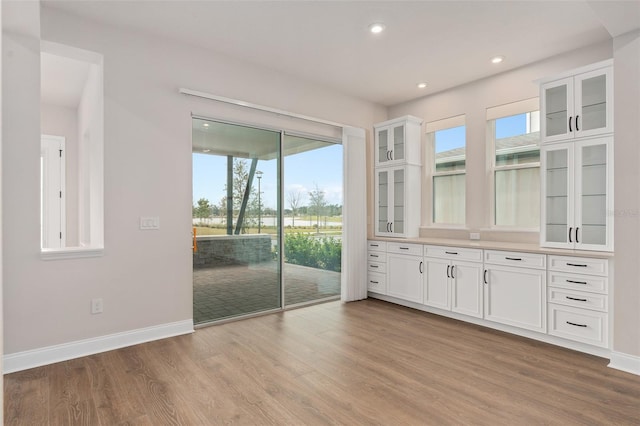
<point x="451" y="282"/>
<point x="405" y="269"/>
<point x="577" y="194"/>
<point x="578" y="299"/>
<point x="579" y="105"/>
<point x="397" y="142"/>
<point x="377" y="267"/>
<point x="515" y="296"/>
<point x="397" y="201"/>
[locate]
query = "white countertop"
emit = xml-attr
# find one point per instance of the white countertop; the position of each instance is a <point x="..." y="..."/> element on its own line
<point x="497" y="245"/>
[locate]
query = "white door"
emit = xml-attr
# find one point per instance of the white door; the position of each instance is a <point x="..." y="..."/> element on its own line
<point x="516" y="297"/>
<point x="557" y="122"/>
<point x="436" y="283"/>
<point x="557" y="163"/>
<point x="466" y="288"/>
<point x="52" y="192"/>
<point x="594" y="103"/>
<point x="398" y="224"/>
<point x="384" y="188"/>
<point x="405" y="277"/>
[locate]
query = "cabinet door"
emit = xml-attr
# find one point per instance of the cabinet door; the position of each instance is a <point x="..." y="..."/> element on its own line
<point x="516" y="297"/>
<point x="436" y="283"/>
<point x="466" y="288"/>
<point x="557" y="105"/>
<point x="557" y="165"/>
<point x="594" y="177"/>
<point x="404" y="277"/>
<point x="383" y="145"/>
<point x="398" y="151"/>
<point x="594" y="103"/>
<point x="384" y="189"/>
<point x="399" y="190"/>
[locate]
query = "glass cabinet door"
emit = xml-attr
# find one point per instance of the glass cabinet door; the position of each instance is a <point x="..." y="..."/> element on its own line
<point x="558" y="201"/>
<point x="558" y="109"/>
<point x="397" y="226"/>
<point x="593" y="194"/>
<point x="593" y="103"/>
<point x="383" y="151"/>
<point x="398" y="143"/>
<point x="382" y="226"/>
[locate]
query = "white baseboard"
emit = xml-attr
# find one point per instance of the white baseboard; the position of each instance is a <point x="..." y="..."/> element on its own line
<point x="48" y="355"/>
<point x="625" y="362"/>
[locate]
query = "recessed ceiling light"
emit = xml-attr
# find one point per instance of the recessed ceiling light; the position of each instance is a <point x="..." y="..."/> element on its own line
<point x="377" y="27"/>
<point x="422" y="85"/>
<point x="205" y="124"/>
<point x="497" y="59"/>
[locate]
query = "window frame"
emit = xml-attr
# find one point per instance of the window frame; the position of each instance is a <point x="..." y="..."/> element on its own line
<point x="494" y="114"/>
<point x="431" y="129"/>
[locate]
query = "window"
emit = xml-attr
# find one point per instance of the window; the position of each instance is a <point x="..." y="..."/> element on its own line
<point x="447" y="140"/>
<point x="516" y="168"/>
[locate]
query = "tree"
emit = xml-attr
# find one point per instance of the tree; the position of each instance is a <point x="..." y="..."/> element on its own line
<point x="203" y="209"/>
<point x="294" y="198"/>
<point x="239" y="186"/>
<point x="317" y="203"/>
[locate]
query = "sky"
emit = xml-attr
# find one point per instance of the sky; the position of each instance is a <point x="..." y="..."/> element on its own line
<point x="301" y="173"/>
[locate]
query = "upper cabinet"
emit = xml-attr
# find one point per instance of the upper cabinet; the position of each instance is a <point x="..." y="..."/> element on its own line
<point x="397" y="142"/>
<point x="579" y="105"/>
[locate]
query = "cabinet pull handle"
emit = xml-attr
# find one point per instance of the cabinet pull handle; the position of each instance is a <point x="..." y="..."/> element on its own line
<point x="514" y="258"/>
<point x="404" y="248"/>
<point x="577" y="325"/>
<point x="448" y="266"/>
<point x="374" y="282"/>
<point x="575" y="298"/>
<point x="577" y="234"/>
<point x="391" y="226"/>
<point x="576" y="264"/>
<point x="485" y="277"/>
<point x="420" y="267"/>
<point x="388" y="229"/>
<point x="374" y="245"/>
<point x="576" y="282"/>
<point x="570" y="124"/>
<point x="387" y="155"/>
<point x="373" y="255"/>
<point x="451" y="252"/>
<point x="570" y="229"/>
<point x="577" y="128"/>
<point x="373" y="266"/>
<point x="391" y="155"/>
<point x="452" y="269"/>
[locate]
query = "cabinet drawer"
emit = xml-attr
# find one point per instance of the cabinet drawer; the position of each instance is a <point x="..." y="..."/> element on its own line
<point x="377" y="267"/>
<point x="412" y="249"/>
<point x="578" y="299"/>
<point x="578" y="282"/>
<point x="377" y="282"/>
<point x="376" y="245"/>
<point x="580" y="325"/>
<point x="525" y="260"/>
<point x="579" y="265"/>
<point x="474" y="255"/>
<point x="377" y="256"/>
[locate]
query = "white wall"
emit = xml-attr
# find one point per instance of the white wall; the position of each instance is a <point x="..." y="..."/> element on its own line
<point x="144" y="277"/>
<point x="58" y="120"/>
<point x="626" y="319"/>
<point x="1" y="271"/>
<point x="473" y="99"/>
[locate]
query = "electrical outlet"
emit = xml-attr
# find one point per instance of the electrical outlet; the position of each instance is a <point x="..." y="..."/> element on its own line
<point x="474" y="236"/>
<point x="96" y="306"/>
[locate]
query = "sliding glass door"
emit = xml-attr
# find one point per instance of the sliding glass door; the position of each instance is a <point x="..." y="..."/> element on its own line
<point x="245" y="217"/>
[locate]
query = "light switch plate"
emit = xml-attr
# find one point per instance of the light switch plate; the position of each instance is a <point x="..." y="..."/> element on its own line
<point x="149" y="222"/>
<point x="474" y="236"/>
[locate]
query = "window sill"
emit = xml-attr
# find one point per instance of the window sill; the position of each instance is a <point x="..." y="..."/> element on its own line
<point x="71" y="253"/>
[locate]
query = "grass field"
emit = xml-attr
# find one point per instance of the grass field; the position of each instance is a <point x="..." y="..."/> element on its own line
<point x="205" y="230"/>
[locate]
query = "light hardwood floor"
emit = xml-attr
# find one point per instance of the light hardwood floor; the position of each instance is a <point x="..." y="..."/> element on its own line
<point x="366" y="362"/>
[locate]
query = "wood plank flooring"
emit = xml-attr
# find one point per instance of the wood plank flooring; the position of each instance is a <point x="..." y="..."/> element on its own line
<point x="366" y="362"/>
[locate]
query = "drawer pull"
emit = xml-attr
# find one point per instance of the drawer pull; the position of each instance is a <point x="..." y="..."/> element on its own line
<point x="577" y="325"/>
<point x="373" y="266"/>
<point x="404" y="248"/>
<point x="374" y="282"/>
<point x="451" y="252"/>
<point x="575" y="298"/>
<point x="576" y="264"/>
<point x="373" y="255"/>
<point x="513" y="258"/>
<point x="576" y="282"/>
<point x="374" y="245"/>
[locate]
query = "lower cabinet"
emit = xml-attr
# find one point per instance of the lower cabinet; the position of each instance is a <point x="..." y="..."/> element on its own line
<point x="515" y="296"/>
<point x="405" y="269"/>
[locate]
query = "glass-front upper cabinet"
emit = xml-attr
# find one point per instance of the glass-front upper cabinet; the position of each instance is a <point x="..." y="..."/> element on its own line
<point x="577" y="208"/>
<point x="397" y="142"/>
<point x="578" y="106"/>
<point x="397" y="206"/>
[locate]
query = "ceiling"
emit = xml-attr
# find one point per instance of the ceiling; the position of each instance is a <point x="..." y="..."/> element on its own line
<point x="442" y="43"/>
